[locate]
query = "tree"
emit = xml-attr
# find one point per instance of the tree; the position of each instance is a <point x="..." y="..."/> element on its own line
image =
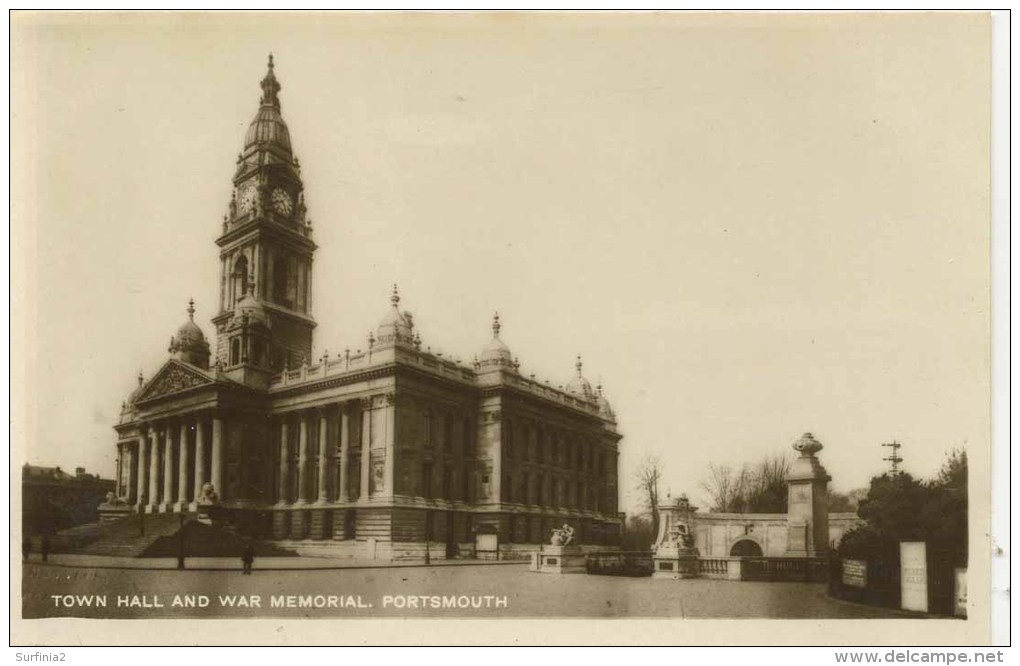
<point x="639" y="534"/>
<point x="760" y="488"/>
<point x="648" y="475"/>
<point x="846" y="502"/>
<point x="899" y="507"/>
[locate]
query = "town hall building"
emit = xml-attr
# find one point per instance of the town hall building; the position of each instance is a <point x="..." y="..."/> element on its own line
<point x="375" y="452"/>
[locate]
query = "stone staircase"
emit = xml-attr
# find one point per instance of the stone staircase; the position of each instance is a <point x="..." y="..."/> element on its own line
<point x="119" y="538"/>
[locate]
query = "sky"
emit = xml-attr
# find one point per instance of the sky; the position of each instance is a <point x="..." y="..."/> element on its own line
<point x="748" y="226"/>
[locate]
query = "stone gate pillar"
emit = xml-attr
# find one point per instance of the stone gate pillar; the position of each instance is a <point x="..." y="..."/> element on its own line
<point x="807" y="505"/>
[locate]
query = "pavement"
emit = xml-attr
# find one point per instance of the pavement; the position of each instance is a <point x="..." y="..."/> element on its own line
<point x="488" y="590"/>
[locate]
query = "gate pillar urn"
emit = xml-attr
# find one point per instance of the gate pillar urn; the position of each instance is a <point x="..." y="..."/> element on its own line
<point x="807" y="504"/>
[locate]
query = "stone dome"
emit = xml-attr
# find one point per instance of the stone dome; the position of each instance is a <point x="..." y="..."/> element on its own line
<point x="579" y="386"/>
<point x="396" y="326"/>
<point x="496" y="353"/>
<point x="137" y="391"/>
<point x="250" y="309"/>
<point x="189" y="344"/>
<point x="605" y="409"/>
<point x="268" y="128"/>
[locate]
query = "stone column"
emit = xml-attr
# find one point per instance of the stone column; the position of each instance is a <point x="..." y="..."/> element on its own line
<point x="153" y="467"/>
<point x="323" y="497"/>
<point x="345" y="445"/>
<point x="143" y="461"/>
<point x="182" y="472"/>
<point x="217" y="456"/>
<point x="284" y="462"/>
<point x="302" y="459"/>
<point x="200" y="472"/>
<point x="168" y="469"/>
<point x="366" y="445"/>
<point x="391" y="429"/>
<point x="120" y="470"/>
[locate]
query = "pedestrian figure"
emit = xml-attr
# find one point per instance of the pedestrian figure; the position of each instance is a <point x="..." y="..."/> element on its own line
<point x="45" y="547"/>
<point x="247" y="557"/>
<point x="26" y="549"/>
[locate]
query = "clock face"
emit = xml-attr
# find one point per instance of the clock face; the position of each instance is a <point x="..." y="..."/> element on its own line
<point x="247" y="198"/>
<point x="282" y="202"/>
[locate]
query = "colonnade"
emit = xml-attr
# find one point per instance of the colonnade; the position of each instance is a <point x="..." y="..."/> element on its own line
<point x="160" y="442"/>
<point x="334" y="457"/>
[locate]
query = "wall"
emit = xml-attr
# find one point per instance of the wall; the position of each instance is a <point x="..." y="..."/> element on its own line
<point x="715" y="533"/>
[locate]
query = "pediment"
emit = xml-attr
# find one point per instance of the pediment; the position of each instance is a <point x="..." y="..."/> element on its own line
<point x="174" y="377"/>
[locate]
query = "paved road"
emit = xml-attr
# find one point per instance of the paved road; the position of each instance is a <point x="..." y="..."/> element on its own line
<point x="488" y="591"/>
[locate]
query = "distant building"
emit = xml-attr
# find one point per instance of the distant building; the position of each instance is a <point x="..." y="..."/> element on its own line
<point x="381" y="448"/>
<point x="52" y="499"/>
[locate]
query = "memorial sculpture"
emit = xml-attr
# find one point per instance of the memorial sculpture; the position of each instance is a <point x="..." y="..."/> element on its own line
<point x="207" y="503"/>
<point x="561" y="555"/>
<point x="113" y="508"/>
<point x="675" y="555"/>
<point x="562" y="536"/>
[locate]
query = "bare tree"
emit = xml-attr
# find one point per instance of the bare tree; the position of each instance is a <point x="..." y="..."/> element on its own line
<point x="760" y="488"/>
<point x="648" y="475"/>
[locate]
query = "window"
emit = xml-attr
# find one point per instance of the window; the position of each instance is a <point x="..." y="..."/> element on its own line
<point x="240" y="278"/>
<point x="426" y="428"/>
<point x="280" y="281"/>
<point x="508" y="439"/>
<point x="235" y="351"/>
<point x="426" y="480"/>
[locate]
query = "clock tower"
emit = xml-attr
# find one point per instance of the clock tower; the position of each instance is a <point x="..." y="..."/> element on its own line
<point x="264" y="322"/>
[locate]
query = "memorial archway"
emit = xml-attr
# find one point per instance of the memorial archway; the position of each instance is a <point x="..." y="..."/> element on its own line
<point x="746" y="548"/>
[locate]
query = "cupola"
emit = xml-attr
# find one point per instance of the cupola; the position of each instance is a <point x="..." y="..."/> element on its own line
<point x="396" y="327"/>
<point x="189" y="345"/>
<point x="496" y="354"/>
<point x="579" y="386"/>
<point x="268" y="130"/>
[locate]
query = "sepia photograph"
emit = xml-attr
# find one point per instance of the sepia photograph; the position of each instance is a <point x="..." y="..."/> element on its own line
<point x="547" y="321"/>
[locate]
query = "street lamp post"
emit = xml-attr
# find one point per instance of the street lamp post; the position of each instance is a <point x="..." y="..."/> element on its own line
<point x="428" y="534"/>
<point x="180" y="542"/>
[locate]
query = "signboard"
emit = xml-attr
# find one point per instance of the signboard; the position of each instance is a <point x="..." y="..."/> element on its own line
<point x="485" y="543"/>
<point x="855" y="573"/>
<point x="960" y="592"/>
<point x="913" y="576"/>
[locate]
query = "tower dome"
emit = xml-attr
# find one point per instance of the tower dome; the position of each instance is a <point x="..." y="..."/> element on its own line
<point x="268" y="128"/>
<point x="189" y="344"/>
<point x="605" y="409"/>
<point x="496" y="353"/>
<point x="579" y="386"/>
<point x="250" y="309"/>
<point x="396" y="327"/>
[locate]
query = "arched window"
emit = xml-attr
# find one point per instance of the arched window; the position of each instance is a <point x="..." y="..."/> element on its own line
<point x="280" y="281"/>
<point x="240" y="277"/>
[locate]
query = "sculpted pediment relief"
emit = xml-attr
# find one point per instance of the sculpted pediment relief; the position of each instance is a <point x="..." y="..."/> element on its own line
<point x="173" y="378"/>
